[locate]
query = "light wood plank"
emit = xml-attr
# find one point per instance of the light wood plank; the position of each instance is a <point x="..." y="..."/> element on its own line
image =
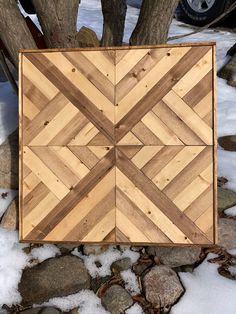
<point x="44" y="173"/>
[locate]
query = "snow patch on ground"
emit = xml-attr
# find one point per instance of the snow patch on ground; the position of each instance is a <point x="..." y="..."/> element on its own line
<point x="106" y="258"/>
<point x="131" y="282"/>
<point x="231" y="211"/>
<point x="232" y="270"/>
<point x="44" y="252"/>
<point x="135" y="309"/>
<point x="207" y="292"/>
<point x="86" y="300"/>
<point x="8" y="111"/>
<point x="12" y="261"/>
<point x="226" y="109"/>
<point x="6" y="201"/>
<point x="227" y="167"/>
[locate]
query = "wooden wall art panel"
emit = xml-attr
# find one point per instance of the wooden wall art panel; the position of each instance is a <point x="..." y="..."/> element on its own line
<point x="118" y="145"/>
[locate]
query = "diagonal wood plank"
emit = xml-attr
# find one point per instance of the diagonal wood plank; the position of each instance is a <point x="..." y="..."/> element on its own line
<point x="117" y="145"/>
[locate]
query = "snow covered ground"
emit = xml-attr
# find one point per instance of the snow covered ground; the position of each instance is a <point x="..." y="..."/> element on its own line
<point x="206" y="291"/>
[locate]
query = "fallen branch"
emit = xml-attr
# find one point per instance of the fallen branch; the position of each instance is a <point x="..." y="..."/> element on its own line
<point x="200" y="29"/>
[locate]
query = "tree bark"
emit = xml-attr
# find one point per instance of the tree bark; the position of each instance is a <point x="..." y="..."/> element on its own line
<point x="153" y="22"/>
<point x="114" y="12"/>
<point x="13" y="30"/>
<point x="58" y="20"/>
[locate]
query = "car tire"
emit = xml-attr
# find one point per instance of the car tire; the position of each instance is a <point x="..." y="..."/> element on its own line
<point x="189" y="15"/>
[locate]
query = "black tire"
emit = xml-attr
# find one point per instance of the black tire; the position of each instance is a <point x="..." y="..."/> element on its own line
<point x="186" y="14"/>
<point x="28" y="6"/>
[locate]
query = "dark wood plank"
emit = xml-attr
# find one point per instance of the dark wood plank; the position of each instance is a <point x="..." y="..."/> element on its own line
<point x="73" y="198"/>
<point x="161" y="200"/>
<point x="158" y="91"/>
<point x="76" y="97"/>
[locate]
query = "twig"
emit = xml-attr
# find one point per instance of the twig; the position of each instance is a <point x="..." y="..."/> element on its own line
<point x="7" y="72"/>
<point x="200" y="29"/>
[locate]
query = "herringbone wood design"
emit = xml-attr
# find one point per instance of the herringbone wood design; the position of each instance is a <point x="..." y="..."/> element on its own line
<point x="118" y="145"/>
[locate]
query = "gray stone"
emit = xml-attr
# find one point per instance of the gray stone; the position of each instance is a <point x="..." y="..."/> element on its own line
<point x="116" y="300"/>
<point x="9" y="162"/>
<point x="87" y="37"/>
<point x="226" y="199"/>
<point x="33" y="310"/>
<point x="228" y="142"/>
<point x="54" y="277"/>
<point x="227" y="233"/>
<point x="66" y="248"/>
<point x="162" y="286"/>
<point x="94" y="249"/>
<point x="10" y="219"/>
<point x="120" y="265"/>
<point x="175" y="256"/>
<point x="50" y="310"/>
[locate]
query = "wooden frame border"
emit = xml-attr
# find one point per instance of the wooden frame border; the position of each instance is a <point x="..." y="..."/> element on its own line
<point x="215" y="211"/>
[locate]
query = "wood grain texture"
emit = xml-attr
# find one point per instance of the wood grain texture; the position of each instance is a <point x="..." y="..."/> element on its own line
<point x="118" y="145"/>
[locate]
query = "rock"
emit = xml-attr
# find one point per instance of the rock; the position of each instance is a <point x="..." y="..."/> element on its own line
<point x="10" y="219"/>
<point x="120" y="265"/>
<point x="9" y="162"/>
<point x="162" y="286"/>
<point x="33" y="310"/>
<point x="55" y="277"/>
<point x="175" y="256"/>
<point x="227" y="233"/>
<point x="97" y="282"/>
<point x="226" y="199"/>
<point x="221" y="181"/>
<point x="227" y="72"/>
<point x="116" y="300"/>
<point x="141" y="266"/>
<point x="228" y="142"/>
<point x="94" y="249"/>
<point x="50" y="310"/>
<point x="87" y="37"/>
<point x="66" y="248"/>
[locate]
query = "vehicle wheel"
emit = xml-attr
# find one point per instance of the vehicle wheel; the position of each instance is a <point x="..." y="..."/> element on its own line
<point x="201" y="12"/>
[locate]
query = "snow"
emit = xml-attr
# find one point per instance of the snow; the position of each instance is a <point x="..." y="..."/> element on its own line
<point x="226" y="109"/>
<point x="106" y="258"/>
<point x="6" y="201"/>
<point x="44" y="252"/>
<point x="231" y="211"/>
<point x="232" y="270"/>
<point x="8" y="111"/>
<point x="227" y="167"/>
<point x="134" y="309"/>
<point x="12" y="261"/>
<point x="131" y="282"/>
<point x="207" y="292"/>
<point x="86" y="300"/>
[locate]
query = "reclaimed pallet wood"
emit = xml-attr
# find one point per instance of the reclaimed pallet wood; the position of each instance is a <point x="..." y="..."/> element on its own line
<point x="118" y="145"/>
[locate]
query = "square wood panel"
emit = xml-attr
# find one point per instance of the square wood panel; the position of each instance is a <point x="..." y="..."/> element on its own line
<point x="118" y="145"/>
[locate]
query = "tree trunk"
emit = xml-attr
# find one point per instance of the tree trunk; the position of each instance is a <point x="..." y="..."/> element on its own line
<point x="153" y="22"/>
<point x="58" y="20"/>
<point x="13" y="30"/>
<point x="114" y="12"/>
<point x="228" y="71"/>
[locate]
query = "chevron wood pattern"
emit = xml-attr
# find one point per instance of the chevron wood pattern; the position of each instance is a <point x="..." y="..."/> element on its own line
<point x="118" y="145"/>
